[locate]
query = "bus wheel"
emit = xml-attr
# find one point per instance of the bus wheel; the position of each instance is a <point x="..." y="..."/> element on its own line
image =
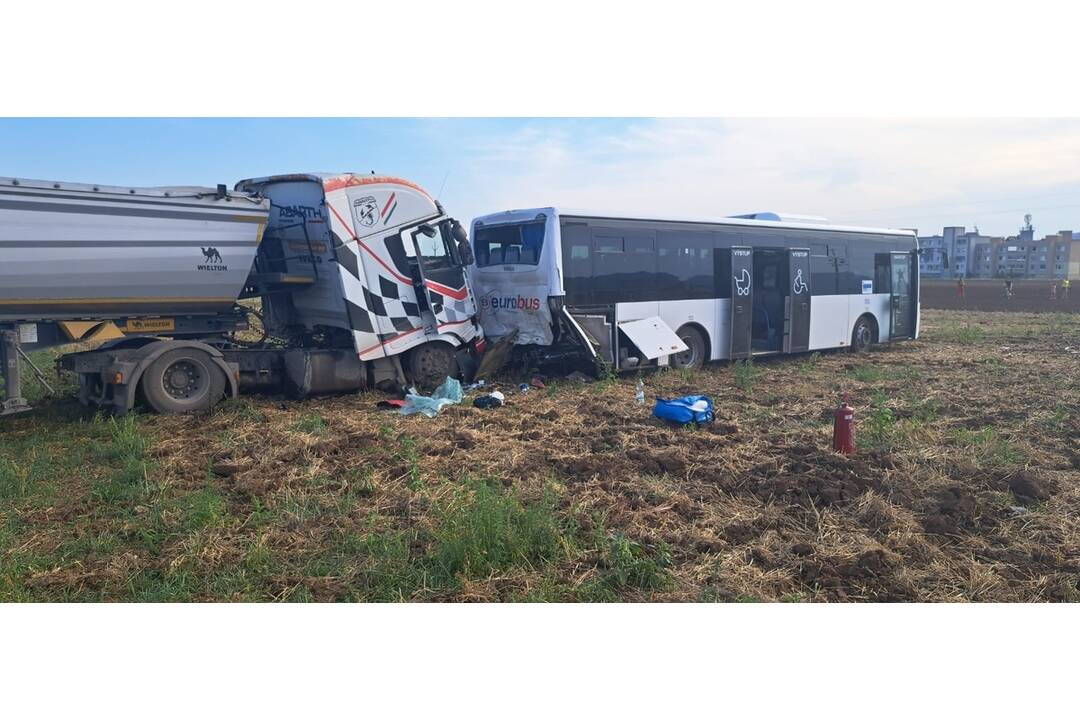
<point x="862" y="337"/>
<point x="181" y="381"/>
<point x="431" y="363"/>
<point x="694" y="356"/>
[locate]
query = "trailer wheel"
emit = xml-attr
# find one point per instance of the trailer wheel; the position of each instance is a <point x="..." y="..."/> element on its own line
<point x="694" y="355"/>
<point x="181" y="381"/>
<point x="862" y="337"/>
<point x="431" y="363"/>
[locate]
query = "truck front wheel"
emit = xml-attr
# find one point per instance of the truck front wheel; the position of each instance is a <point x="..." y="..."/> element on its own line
<point x="431" y="363"/>
<point x="183" y="380"/>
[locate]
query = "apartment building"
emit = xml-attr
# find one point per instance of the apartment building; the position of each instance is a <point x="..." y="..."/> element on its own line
<point x="960" y="253"/>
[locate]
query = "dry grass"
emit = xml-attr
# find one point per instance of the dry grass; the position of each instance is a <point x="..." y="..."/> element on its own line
<point x="576" y="493"/>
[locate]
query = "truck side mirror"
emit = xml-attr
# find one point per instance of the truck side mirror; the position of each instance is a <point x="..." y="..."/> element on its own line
<point x="461" y="239"/>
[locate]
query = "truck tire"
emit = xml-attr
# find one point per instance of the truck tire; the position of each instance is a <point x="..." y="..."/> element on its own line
<point x="431" y="363"/>
<point x="697" y="353"/>
<point x="862" y="337"/>
<point x="183" y="380"/>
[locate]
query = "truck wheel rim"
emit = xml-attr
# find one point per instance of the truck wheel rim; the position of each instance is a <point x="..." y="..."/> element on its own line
<point x="431" y="363"/>
<point x="184" y="380"/>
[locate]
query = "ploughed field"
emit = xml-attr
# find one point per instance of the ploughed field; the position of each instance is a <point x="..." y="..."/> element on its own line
<point x="966" y="487"/>
<point x="1029" y="296"/>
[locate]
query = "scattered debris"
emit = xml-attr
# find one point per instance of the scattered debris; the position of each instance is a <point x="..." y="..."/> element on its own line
<point x="579" y="377"/>
<point x="493" y="399"/>
<point x="496" y="355"/>
<point x="695" y="409"/>
<point x="449" y="393"/>
<point x="537" y="383"/>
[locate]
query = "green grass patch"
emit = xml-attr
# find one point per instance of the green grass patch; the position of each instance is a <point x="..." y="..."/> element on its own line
<point x="867" y="373"/>
<point x="628" y="565"/>
<point x="484" y="529"/>
<point x="988" y="447"/>
<point x="746" y="375"/>
<point x="879" y="424"/>
<point x="963" y="335"/>
<point x="311" y="423"/>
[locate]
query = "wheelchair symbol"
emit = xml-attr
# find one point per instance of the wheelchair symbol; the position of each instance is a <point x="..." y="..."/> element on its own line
<point x="798" y="287"/>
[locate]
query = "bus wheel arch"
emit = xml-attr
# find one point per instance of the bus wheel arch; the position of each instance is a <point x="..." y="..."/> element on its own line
<point x="865" y="333"/>
<point x="697" y="340"/>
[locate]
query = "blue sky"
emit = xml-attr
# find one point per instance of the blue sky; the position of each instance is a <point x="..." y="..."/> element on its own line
<point x="922" y="173"/>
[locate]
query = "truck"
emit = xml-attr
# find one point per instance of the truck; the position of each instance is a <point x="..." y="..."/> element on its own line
<point x="308" y="283"/>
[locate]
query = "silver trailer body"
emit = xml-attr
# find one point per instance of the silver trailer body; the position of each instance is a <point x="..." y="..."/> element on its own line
<point x="70" y="250"/>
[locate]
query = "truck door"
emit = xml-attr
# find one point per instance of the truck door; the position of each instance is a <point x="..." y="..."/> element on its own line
<point x="442" y="276"/>
<point x="742" y="301"/>
<point x="797" y="337"/>
<point x="901" y="317"/>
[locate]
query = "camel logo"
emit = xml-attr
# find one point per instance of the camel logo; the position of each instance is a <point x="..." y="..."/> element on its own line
<point x="742" y="282"/>
<point x="367" y="211"/>
<point x="213" y="262"/>
<point x="798" y="286"/>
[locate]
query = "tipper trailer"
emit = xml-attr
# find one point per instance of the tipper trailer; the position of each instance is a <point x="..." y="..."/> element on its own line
<point x="361" y="281"/>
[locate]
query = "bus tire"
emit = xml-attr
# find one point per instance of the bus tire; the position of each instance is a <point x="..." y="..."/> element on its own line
<point x="864" y="335"/>
<point x="697" y="352"/>
<point x="431" y="363"/>
<point x="183" y="380"/>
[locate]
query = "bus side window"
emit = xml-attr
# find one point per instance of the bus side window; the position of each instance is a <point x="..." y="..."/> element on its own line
<point x="608" y="250"/>
<point x="684" y="265"/>
<point x="823" y="271"/>
<point x="722" y="272"/>
<point x="577" y="263"/>
<point x="882" y="280"/>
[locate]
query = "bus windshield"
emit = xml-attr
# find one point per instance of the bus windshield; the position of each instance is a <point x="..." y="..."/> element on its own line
<point x="517" y="244"/>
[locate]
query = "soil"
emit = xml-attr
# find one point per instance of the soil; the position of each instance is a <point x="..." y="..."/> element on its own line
<point x="1029" y="296"/>
<point x="964" y="487"/>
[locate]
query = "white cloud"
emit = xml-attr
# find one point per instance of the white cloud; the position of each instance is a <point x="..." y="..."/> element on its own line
<point x="909" y="173"/>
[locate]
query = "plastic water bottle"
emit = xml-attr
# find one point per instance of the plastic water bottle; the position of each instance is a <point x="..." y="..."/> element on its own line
<point x="640" y="395"/>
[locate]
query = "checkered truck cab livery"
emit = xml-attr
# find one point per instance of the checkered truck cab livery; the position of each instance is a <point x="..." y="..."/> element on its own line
<point x="397" y="286"/>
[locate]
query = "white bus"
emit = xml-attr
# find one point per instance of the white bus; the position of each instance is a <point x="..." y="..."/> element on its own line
<point x="582" y="284"/>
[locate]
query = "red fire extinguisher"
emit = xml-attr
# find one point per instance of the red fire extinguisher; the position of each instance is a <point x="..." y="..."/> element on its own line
<point x="843" y="434"/>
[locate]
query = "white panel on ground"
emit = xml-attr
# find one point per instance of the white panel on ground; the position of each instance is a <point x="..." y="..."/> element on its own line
<point x="653" y="337"/>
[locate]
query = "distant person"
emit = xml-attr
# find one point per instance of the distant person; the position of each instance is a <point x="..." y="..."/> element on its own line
<point x="960" y="288"/>
<point x="1008" y="289"/>
<point x="1053" y="291"/>
<point x="1065" y="289"/>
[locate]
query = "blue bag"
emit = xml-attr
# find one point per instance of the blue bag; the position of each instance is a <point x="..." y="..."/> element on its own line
<point x="690" y="409"/>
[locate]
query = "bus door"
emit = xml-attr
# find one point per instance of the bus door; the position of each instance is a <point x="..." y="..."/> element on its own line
<point x="797" y="332"/>
<point x="901" y="304"/>
<point x="742" y="301"/>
